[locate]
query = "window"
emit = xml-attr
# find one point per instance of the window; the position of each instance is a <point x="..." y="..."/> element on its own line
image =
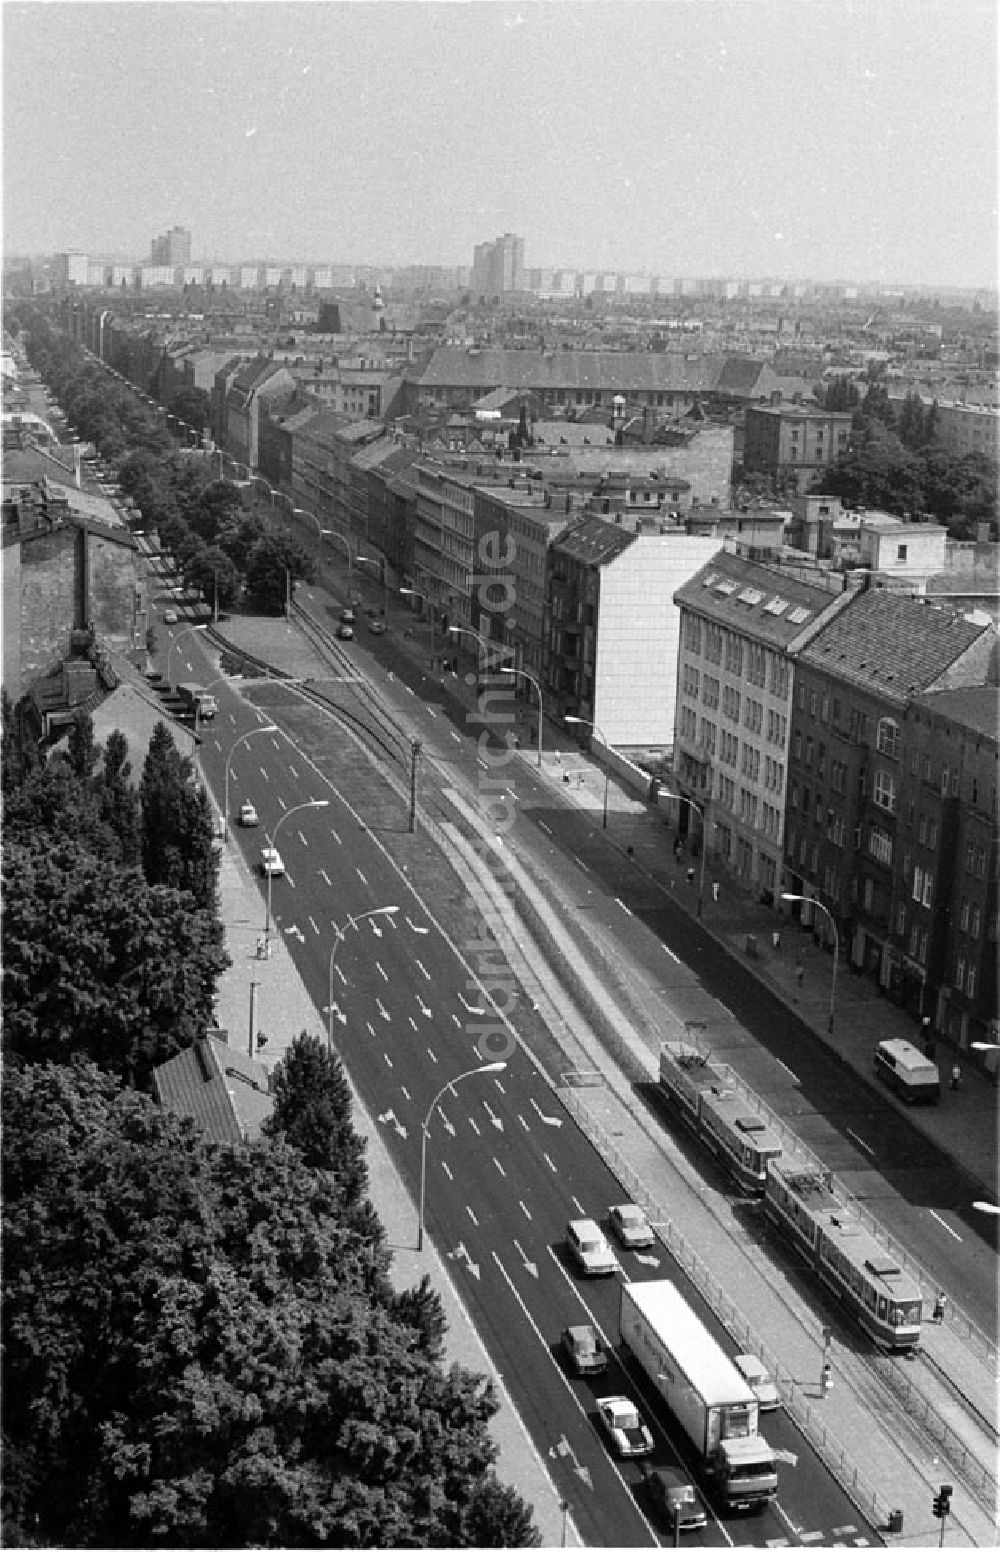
<point x="960" y="974"/>
<point x="813" y="703"/>
<point x="976" y="921"/>
<point x="809" y="752"/>
<point x="838" y="772"/>
<point x="884" y="791"/>
<point x="944" y="781"/>
<point x="901" y="552"/>
<point x="887" y="739"/>
<point x="880" y="845"/>
<point x="970" y="981"/>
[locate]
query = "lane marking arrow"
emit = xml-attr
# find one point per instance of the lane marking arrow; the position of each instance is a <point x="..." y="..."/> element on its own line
<point x="495" y="1119"/>
<point x="548" y="1120"/>
<point x="470" y="1007"/>
<point x="461" y="1254"/>
<point x="529" y="1266"/>
<point x="389" y="1118"/>
<point x="425" y="1010"/>
<point x="334" y="1008"/>
<point x="423" y="931"/>
<point x="564" y="1448"/>
<point x="446" y="1123"/>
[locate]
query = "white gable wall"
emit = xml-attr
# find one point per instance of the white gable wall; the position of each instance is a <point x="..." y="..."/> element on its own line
<point x="638" y="632"/>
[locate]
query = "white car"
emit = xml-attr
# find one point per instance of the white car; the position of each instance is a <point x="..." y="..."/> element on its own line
<point x="620" y="1420"/>
<point x="760" y="1382"/>
<point x="631" y="1226"/>
<point x="170" y="616"/>
<point x="589" y="1249"/>
<point x="271" y="864"/>
<point x="248" y="815"/>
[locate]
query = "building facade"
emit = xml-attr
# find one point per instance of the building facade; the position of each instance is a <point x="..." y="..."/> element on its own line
<point x="793" y="443"/>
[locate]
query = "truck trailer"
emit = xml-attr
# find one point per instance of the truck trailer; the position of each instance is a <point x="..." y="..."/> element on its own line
<point x="197" y="702"/>
<point x="703" y="1390"/>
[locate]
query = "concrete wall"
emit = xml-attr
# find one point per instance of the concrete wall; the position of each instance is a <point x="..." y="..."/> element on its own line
<point x="48" y="601"/>
<point x="116" y="593"/>
<point x="10" y="621"/>
<point x="638" y="632"/>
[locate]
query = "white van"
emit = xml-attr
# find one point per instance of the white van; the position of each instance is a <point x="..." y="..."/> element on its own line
<point x="913" y="1075"/>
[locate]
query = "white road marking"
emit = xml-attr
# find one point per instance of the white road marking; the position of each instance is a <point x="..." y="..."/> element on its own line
<point x="414" y="928"/>
<point x="543" y="826"/>
<point x="469" y="1008"/>
<point x="580" y="863"/>
<point x="499" y="1085"/>
<point x="859" y="1140"/>
<point x="623" y="906"/>
<point x="406" y="1092"/>
<point x="314" y="926"/>
<point x="472" y="1215"/>
<point x="388" y="1058"/>
<point x="423" y="972"/>
<point x="266" y="778"/>
<point x="671" y="953"/>
<point x="946" y="1226"/>
<point x="381" y="972"/>
<point x="524" y="1209"/>
<point x="579" y="1206"/>
<point x="447" y="1170"/>
<point x="475" y="1128"/>
<point x="302" y="838"/>
<point x="382" y="1010"/>
<point x="431" y="712"/>
<point x="336" y="836"/>
<point x="324" y="875"/>
<point x="456" y="1021"/>
<point x="550" y="1164"/>
<point x="523" y="1122"/>
<point x="294" y="772"/>
<point x="368" y="1026"/>
<point x="425" y="1010"/>
<point x="548" y="1120"/>
<point x="454" y="735"/>
<point x="362" y="877"/>
<point x="412" y="1022"/>
<point x="430" y="1053"/>
<point x="343" y="978"/>
<point x="787" y="1069"/>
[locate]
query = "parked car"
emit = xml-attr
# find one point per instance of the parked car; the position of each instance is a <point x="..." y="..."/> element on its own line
<point x="625" y="1429"/>
<point x="377" y="627"/>
<point x="345" y="632"/>
<point x="631" y="1226"/>
<point x="760" y="1382"/>
<point x="347" y="616"/>
<point x="584" y="1351"/>
<point x="248" y="816"/>
<point x="271" y="863"/>
<point x="170" y="616"/>
<point x="675" y="1498"/>
<point x="589" y="1249"/>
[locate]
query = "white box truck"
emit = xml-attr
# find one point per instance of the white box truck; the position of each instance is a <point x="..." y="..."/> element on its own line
<point x="197" y="702"/>
<point x="703" y="1390"/>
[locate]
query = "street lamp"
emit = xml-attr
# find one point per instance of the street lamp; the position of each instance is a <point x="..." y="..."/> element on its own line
<point x="352" y="921"/>
<point x="297" y="808"/>
<point x="699" y="810"/>
<point x="268" y="727"/>
<point x="414" y="592"/>
<point x="379" y="561"/>
<point x="472" y="1073"/>
<point x="586" y="722"/>
<point x="189" y="631"/>
<point x="810" y="900"/>
<point x="523" y="674"/>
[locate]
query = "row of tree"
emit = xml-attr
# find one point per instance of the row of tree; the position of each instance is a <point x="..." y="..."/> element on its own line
<point x="223" y="550"/>
<point x="202" y="1346"/>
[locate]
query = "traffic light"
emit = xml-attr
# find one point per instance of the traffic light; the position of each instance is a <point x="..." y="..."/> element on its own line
<point x="942" y="1502"/>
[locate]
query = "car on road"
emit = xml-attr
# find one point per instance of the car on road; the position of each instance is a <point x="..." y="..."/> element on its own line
<point x="631" y="1226"/>
<point x="627" y="1433"/>
<point x="377" y="627"/>
<point x="347" y="616"/>
<point x="584" y="1351"/>
<point x="760" y="1382"/>
<point x="170" y="616"/>
<point x="589" y="1249"/>
<point x="345" y="632"/>
<point x="271" y="864"/>
<point x="675" y="1498"/>
<point x="248" y="816"/>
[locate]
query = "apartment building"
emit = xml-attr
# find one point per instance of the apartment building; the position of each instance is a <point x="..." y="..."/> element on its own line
<point x="498" y="266"/>
<point x="515" y="524"/>
<point x="847" y="808"/>
<point x="942" y="941"/>
<point x="739" y="621"/>
<point x="793" y="443"/>
<point x="252" y="384"/>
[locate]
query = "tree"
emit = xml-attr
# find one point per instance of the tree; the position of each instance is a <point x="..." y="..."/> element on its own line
<point x="312" y="1111"/>
<point x="199" y="1353"/>
<point x="20" y="755"/>
<point x="194" y="407"/>
<point x="276" y="561"/>
<point x="97" y="962"/>
<point x="83" y="752"/>
<point x="118" y="800"/>
<point x="177" y="830"/>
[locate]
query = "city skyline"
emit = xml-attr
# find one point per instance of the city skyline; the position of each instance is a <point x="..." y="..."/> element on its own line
<point x="828" y="142"/>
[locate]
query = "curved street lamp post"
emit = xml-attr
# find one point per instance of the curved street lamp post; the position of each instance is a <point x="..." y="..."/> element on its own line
<point x="682" y="797"/>
<point x="414" y="592"/>
<point x="379" y="561"/>
<point x="189" y="631"/>
<point x="268" y="727"/>
<point x="352" y="921"/>
<point x="811" y="900"/>
<point x="522" y="673"/>
<point x="586" y="722"/>
<point x="271" y="839"/>
<point x="472" y="1073"/>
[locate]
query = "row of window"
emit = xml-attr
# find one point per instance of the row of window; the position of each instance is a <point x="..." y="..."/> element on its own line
<point x="723" y="647"/>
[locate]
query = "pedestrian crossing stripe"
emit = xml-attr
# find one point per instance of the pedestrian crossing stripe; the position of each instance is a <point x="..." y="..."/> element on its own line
<point x="807" y="1536"/>
<point x="844" y="1530"/>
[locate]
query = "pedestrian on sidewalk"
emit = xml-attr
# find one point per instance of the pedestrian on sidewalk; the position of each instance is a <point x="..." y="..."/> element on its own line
<point x="690" y="875"/>
<point x="715" y="890"/>
<point x="925" y="1029"/>
<point x="956" y="1076"/>
<point x="678" y="848"/>
<point x="776" y="940"/>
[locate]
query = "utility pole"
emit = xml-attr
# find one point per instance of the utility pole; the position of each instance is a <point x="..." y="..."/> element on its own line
<point x="415" y="754"/>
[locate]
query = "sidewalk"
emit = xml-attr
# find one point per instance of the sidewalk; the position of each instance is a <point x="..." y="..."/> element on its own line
<point x="283" y="1008"/>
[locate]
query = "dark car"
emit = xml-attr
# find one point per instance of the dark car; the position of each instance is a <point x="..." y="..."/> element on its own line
<point x="584" y="1351"/>
<point x="675" y="1498"/>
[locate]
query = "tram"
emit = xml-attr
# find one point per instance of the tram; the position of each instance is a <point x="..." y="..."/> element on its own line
<point x="721" y="1117"/>
<point x="882" y="1296"/>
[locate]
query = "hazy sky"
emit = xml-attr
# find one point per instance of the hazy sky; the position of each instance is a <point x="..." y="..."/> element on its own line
<point x="852" y="139"/>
